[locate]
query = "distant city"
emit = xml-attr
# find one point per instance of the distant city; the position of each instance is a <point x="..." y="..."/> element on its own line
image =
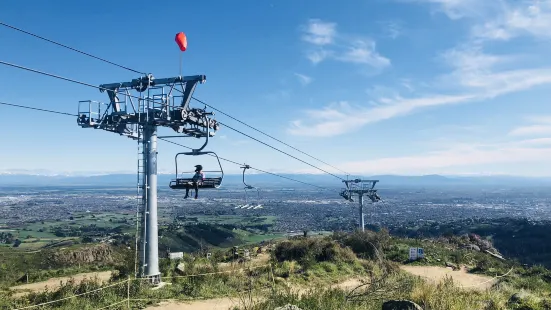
<point x="406" y="201"/>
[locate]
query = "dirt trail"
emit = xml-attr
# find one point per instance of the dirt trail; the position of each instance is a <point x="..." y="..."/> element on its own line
<point x="461" y="277"/>
<point x="54" y="283"/>
<point x="227" y="303"/>
<point x="431" y="273"/>
<point x="210" y="304"/>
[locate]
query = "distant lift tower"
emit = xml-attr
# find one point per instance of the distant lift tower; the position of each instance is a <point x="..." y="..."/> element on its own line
<point x="135" y="110"/>
<point x="361" y="188"/>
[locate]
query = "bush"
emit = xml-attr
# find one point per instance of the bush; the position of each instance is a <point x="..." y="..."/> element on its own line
<point x="365" y="244"/>
<point x="311" y="251"/>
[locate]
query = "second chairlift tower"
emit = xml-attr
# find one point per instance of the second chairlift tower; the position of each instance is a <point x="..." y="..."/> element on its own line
<point x="158" y="102"/>
<point x="361" y="188"/>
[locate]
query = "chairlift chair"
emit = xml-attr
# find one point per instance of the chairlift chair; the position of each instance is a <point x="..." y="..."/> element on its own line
<point x="247" y="186"/>
<point x="208" y="183"/>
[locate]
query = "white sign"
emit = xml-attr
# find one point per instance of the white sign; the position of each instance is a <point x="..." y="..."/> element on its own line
<point x="416" y="253"/>
<point x="412" y="253"/>
<point x="420" y="253"/>
<point x="176" y="255"/>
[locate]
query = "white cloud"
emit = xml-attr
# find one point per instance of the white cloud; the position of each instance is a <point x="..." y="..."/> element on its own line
<point x="517" y="18"/>
<point x="540" y="126"/>
<point x="363" y="52"/>
<point x="392" y="29"/>
<point x="500" y="19"/>
<point x="318" y="32"/>
<point x="303" y="79"/>
<point x="458" y="158"/>
<point x="457" y="9"/>
<point x="476" y="84"/>
<point x="475" y="76"/>
<point x="317" y="56"/>
<point x="531" y="130"/>
<point x="327" y="43"/>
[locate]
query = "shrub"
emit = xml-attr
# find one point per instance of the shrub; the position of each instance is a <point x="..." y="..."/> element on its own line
<point x="310" y="251"/>
<point x="365" y="244"/>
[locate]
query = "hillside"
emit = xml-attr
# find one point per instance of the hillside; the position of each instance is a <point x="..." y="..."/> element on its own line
<point x="520" y="239"/>
<point x="311" y="272"/>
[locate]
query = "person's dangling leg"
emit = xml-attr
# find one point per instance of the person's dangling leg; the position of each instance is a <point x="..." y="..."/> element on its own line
<point x="196" y="184"/>
<point x="187" y="191"/>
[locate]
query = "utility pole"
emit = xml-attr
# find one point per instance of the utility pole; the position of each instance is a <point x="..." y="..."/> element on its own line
<point x="138" y="117"/>
<point x="360" y="187"/>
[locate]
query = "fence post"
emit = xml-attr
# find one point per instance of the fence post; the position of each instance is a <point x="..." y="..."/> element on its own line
<point x="272" y="274"/>
<point x="128" y="293"/>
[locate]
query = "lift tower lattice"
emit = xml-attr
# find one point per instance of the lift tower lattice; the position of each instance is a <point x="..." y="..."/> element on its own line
<point x="360" y="187"/>
<point x="138" y="117"/>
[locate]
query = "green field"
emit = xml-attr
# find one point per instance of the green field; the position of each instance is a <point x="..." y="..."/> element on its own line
<point x="35" y="235"/>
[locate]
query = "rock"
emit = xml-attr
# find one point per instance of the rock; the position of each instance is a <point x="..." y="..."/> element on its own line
<point x="288" y="307"/>
<point x="518" y="298"/>
<point x="452" y="265"/>
<point x="472" y="247"/>
<point x="90" y="254"/>
<point x="401" y="305"/>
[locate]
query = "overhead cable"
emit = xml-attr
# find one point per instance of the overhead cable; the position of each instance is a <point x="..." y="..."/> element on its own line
<point x="68" y="79"/>
<point x="283" y="152"/>
<point x="225" y="159"/>
<point x="267" y="135"/>
<point x="38" y="109"/>
<point x="198" y="100"/>
<point x="98" y="87"/>
<point x="68" y="47"/>
<point x="236" y="163"/>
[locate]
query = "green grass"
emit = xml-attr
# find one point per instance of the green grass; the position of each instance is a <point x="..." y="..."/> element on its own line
<point x="259" y="238"/>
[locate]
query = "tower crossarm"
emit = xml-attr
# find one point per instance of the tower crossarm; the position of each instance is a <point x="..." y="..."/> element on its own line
<point x="156" y="102"/>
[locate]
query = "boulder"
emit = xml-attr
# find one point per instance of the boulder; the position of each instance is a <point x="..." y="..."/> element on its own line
<point x="288" y="307"/>
<point x="452" y="265"/>
<point x="401" y="305"/>
<point x="519" y="300"/>
<point x="472" y="247"/>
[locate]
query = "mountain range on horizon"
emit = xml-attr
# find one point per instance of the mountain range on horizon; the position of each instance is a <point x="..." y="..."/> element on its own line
<point x="45" y="177"/>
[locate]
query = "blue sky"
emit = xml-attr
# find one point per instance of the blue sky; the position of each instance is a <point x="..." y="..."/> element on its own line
<point x="372" y="86"/>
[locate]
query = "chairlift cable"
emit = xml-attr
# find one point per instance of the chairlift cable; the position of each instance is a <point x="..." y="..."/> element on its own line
<point x="270" y="136"/>
<point x="239" y="164"/>
<point x="38" y="109"/>
<point x="98" y="87"/>
<point x="70" y="80"/>
<point x="283" y="152"/>
<point x="225" y="159"/>
<point x="196" y="99"/>
<point x="68" y="47"/>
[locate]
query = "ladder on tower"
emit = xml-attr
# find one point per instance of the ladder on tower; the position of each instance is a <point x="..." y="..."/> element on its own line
<point x="141" y="193"/>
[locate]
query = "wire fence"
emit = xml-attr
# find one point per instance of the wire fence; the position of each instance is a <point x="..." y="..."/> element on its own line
<point x="128" y="282"/>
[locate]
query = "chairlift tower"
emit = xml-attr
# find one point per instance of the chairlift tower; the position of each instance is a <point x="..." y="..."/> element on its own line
<point x="361" y="188"/>
<point x="135" y="110"/>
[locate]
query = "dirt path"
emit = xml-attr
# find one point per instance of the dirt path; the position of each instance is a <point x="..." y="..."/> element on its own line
<point x="227" y="303"/>
<point x="210" y="304"/>
<point x="54" y="283"/>
<point x="461" y="277"/>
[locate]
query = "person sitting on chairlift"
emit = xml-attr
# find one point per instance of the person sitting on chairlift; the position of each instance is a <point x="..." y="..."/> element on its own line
<point x="197" y="179"/>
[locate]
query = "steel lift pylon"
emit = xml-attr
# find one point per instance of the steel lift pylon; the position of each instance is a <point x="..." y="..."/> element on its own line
<point x="135" y="110"/>
<point x="361" y="188"/>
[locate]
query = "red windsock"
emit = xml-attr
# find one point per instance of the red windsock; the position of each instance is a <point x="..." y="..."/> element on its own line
<point x="181" y="40"/>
